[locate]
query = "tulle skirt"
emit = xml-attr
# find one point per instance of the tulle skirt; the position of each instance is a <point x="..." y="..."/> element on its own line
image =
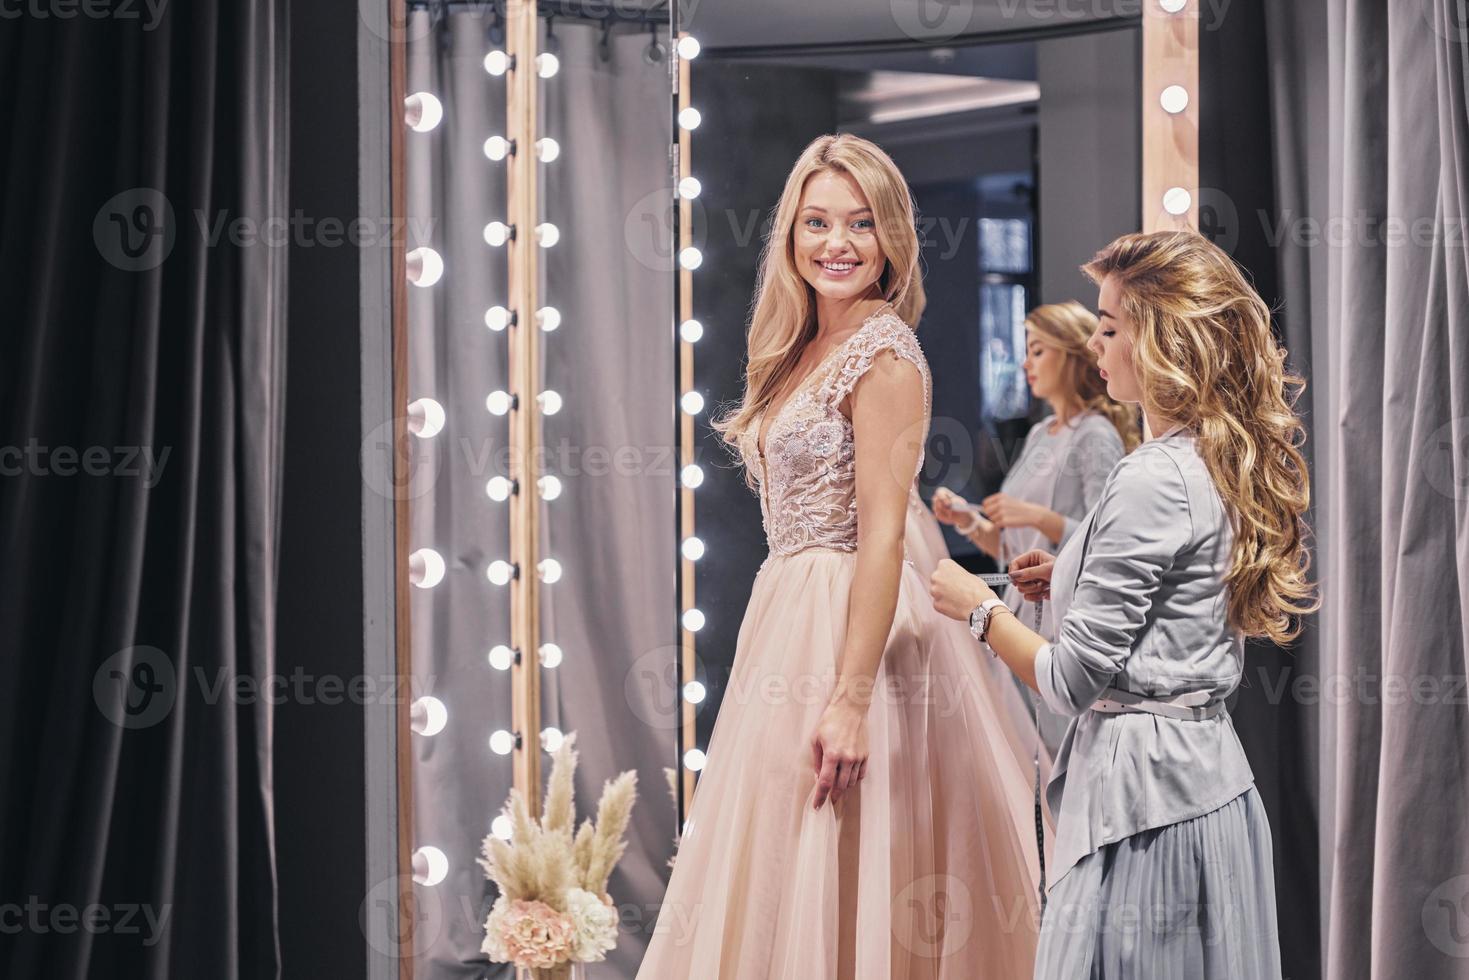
<point x="926" y="871"/>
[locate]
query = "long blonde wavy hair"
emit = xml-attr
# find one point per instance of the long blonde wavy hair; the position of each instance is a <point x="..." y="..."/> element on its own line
<point x="1206" y="358"/>
<point x="1067" y="327"/>
<point x="783" y="320"/>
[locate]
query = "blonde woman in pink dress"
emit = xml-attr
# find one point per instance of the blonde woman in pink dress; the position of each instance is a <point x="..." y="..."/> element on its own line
<point x="860" y="816"/>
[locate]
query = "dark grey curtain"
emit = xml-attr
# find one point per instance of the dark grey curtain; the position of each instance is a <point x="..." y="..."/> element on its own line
<point x="141" y="367"/>
<point x="613" y="613"/>
<point x="1371" y="139"/>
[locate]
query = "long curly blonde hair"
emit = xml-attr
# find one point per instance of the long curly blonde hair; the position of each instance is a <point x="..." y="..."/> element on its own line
<point x="784" y="318"/>
<point x="1206" y="358"/>
<point x="1067" y="327"/>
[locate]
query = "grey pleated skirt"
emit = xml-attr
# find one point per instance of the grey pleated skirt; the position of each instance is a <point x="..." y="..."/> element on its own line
<point x="1191" y="901"/>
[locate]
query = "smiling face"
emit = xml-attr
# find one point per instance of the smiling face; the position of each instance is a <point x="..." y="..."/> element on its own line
<point x="1112" y="342"/>
<point x="835" y="238"/>
<point x="1043" y="363"/>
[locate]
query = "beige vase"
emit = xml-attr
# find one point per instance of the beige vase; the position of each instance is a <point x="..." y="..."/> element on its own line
<point x="566" y="971"/>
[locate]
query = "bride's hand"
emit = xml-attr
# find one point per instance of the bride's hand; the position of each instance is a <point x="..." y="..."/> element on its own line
<point x="1031" y="573"/>
<point x="839" y="750"/>
<point x="949" y="507"/>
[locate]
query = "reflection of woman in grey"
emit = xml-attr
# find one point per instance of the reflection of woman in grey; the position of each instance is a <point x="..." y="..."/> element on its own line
<point x="1061" y="469"/>
<point x="1162" y="863"/>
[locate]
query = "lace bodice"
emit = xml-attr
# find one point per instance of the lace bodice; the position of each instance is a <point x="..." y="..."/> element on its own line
<point x="807" y="479"/>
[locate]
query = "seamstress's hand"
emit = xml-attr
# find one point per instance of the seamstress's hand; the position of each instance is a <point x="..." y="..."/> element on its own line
<point x="956" y="592"/>
<point x="1008" y="511"/>
<point x="1031" y="573"/>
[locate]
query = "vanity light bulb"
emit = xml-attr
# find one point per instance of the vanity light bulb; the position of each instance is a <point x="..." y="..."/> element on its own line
<point x="689" y="118"/>
<point x="692" y="475"/>
<point x="1174" y="99"/>
<point x="422" y="111"/>
<point x="497" y="318"/>
<point x="501" y="657"/>
<point x="692" y="403"/>
<point x="498" y="402"/>
<point x="691" y="258"/>
<point x="1176" y="200"/>
<point x="425" y="418"/>
<point x="428" y="716"/>
<point x="425" y="568"/>
<point x="502" y="742"/>
<point x="430" y="866"/>
<point x="497" y="62"/>
<point x="691" y="331"/>
<point x="497" y="148"/>
<point x="688" y="47"/>
<point x="499" y="488"/>
<point x="425" y="267"/>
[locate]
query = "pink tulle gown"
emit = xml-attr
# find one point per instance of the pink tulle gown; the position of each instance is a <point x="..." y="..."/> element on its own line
<point x="928" y="870"/>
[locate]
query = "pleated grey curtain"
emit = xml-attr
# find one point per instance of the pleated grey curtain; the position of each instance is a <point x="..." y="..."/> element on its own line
<point x="1372" y="144"/>
<point x="143" y="363"/>
<point x="613" y="613"/>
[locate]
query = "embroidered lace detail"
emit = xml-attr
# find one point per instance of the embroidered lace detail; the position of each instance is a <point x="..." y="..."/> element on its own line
<point x="808" y="478"/>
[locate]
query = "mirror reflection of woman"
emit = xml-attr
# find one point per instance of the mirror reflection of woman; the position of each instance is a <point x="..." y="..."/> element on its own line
<point x="1163" y="863"/>
<point x="858" y="813"/>
<point x="1059" y="473"/>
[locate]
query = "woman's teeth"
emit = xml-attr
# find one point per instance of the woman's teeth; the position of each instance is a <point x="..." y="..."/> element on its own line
<point x="838" y="268"/>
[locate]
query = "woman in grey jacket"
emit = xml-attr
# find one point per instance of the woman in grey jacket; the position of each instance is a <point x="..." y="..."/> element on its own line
<point x="1059" y="474"/>
<point x="1162" y="865"/>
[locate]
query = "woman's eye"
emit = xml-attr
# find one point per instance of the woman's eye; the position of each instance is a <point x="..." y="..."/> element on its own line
<point x="813" y="222"/>
<point x="865" y="224"/>
<point x="1108" y="333"/>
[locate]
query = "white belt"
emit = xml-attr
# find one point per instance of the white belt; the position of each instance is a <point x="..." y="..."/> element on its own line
<point x="1193" y="706"/>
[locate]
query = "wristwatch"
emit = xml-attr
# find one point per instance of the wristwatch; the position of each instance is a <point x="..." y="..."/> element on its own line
<point x="979" y="619"/>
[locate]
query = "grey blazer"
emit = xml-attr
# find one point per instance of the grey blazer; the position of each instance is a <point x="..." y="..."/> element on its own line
<point x="1140" y="606"/>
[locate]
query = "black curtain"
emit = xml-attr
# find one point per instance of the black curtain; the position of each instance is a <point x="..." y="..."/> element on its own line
<point x="142" y="284"/>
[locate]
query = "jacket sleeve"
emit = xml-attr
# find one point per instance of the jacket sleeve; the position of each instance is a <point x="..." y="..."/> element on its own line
<point x="1142" y="524"/>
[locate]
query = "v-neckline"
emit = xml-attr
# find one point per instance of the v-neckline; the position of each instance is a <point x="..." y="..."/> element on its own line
<point x="761" y="432"/>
